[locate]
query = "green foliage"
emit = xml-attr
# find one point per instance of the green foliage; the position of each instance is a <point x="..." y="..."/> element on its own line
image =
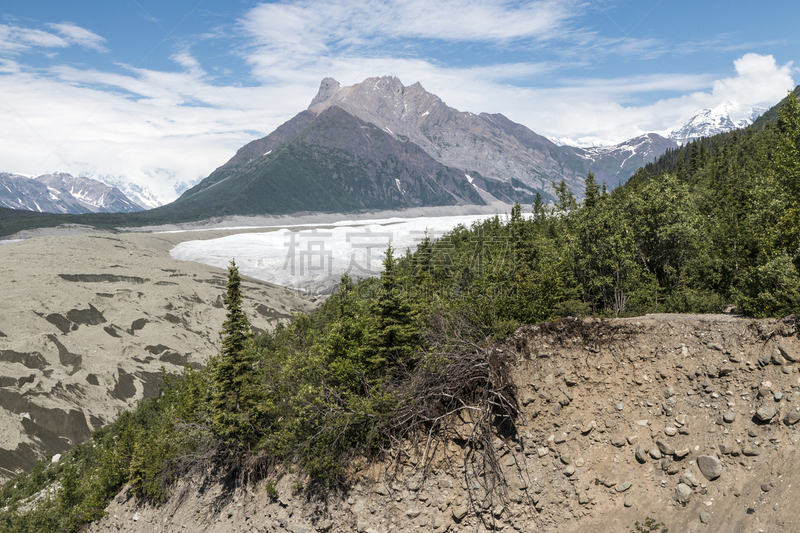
<point x="650" y="525"/>
<point x="714" y="223"/>
<point x="235" y="387"/>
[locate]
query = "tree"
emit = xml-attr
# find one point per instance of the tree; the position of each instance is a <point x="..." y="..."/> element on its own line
<point x="235" y="380"/>
<point x="398" y="332"/>
<point x="591" y="192"/>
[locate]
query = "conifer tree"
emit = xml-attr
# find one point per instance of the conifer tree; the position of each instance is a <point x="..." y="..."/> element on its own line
<point x="234" y="376"/>
<point x="591" y="192"/>
<point x="397" y="330"/>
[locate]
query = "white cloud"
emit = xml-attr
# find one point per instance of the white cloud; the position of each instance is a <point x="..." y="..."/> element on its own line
<point x="14" y="39"/>
<point x="759" y="81"/>
<point x="79" y="36"/>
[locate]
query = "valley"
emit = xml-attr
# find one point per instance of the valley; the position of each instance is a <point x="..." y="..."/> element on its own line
<point x="87" y="322"/>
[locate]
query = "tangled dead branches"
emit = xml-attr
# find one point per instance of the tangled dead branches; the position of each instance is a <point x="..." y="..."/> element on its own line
<point x="463" y="393"/>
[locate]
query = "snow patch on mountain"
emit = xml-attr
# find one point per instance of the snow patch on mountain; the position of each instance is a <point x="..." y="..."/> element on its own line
<point x="138" y="194"/>
<point x="581" y="142"/>
<point x="726" y="117"/>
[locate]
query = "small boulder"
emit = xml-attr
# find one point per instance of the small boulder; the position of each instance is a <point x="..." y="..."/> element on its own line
<point x="682" y="493"/>
<point x="710" y="466"/>
<point x="705" y="517"/>
<point x="619" y="441"/>
<point x="664" y="447"/>
<point x="789" y="356"/>
<point x="622" y="487"/>
<point x="791" y="418"/>
<point x="765" y="414"/>
<point x="641" y="454"/>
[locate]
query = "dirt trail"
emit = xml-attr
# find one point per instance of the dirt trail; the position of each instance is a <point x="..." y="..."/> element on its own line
<point x="689" y="419"/>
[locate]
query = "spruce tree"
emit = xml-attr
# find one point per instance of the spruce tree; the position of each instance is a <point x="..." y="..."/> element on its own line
<point x="398" y="333"/>
<point x="234" y="376"/>
<point x="591" y="192"/>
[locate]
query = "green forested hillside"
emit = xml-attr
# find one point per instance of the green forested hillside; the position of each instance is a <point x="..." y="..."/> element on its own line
<point x="714" y="224"/>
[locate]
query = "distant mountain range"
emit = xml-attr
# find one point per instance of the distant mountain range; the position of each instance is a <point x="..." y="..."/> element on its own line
<point x="721" y="119"/>
<point x="382" y="145"/>
<point x="375" y="145"/>
<point x="62" y="193"/>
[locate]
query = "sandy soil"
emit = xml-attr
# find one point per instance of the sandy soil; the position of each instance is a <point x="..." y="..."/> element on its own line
<point x="87" y="321"/>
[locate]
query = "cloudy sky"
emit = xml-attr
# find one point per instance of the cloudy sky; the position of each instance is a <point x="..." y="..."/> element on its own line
<point x="164" y="92"/>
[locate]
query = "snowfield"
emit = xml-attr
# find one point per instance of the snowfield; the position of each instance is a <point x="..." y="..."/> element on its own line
<point x="313" y="259"/>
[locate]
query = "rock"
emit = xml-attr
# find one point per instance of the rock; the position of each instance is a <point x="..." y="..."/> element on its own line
<point x="628" y="503"/>
<point x="542" y="451"/>
<point x="633" y="439"/>
<point x="682" y="493"/>
<point x="571" y="380"/>
<point x="641" y="454"/>
<point x="765" y="414"/>
<point x="681" y="453"/>
<point x="622" y="487"/>
<point x="619" y="406"/>
<point x="459" y="512"/>
<point x="725" y="449"/>
<point x="689" y="479"/>
<point x="669" y="392"/>
<point x="583" y="498"/>
<point x="778" y="396"/>
<point x="670" y="431"/>
<point x="136" y="517"/>
<point x="655" y="453"/>
<point x="766" y="487"/>
<point x="725" y="371"/>
<point x="588" y="427"/>
<point x="528" y="398"/>
<point x="642" y="423"/>
<point x="715" y="346"/>
<point x="752" y="451"/>
<point x="56" y="458"/>
<point x="710" y="466"/>
<point x="664" y="447"/>
<point x="619" y="441"/>
<point x="568" y="471"/>
<point x="729" y="417"/>
<point x="777" y="359"/>
<point x="789" y="356"/>
<point x="325" y="525"/>
<point x="705" y="517"/>
<point x="791" y="418"/>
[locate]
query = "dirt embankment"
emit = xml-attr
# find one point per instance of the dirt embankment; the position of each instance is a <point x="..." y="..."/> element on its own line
<point x="688" y="419"/>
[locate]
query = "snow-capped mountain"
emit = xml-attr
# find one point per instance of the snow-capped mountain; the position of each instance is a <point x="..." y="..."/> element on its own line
<point x="581" y="142"/>
<point x="725" y="117"/>
<point x="62" y="193"/>
<point x="138" y="194"/>
<point x="614" y="164"/>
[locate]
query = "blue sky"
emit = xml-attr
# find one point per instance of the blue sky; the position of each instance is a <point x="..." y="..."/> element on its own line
<point x="164" y="92"/>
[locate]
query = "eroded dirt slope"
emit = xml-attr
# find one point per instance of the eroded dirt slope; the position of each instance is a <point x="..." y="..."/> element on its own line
<point x="689" y="419"/>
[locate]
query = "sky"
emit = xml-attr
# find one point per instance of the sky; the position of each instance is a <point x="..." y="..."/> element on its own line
<point x="162" y="93"/>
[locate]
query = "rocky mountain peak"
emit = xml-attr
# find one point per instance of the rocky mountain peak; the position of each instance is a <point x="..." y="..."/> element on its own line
<point x="327" y="88"/>
<point x="723" y="118"/>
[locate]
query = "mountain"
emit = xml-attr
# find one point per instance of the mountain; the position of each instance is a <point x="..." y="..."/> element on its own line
<point x="489" y="144"/>
<point x="725" y="117"/>
<point x="62" y="193"/>
<point x="138" y="194"/>
<point x="615" y="164"/>
<point x="382" y="145"/>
